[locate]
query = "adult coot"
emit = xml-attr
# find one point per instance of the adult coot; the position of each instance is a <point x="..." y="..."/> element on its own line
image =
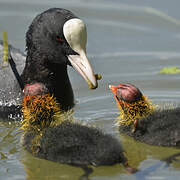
<point x="56" y="38"/>
<point x="49" y="135"/>
<point x="140" y="119"/>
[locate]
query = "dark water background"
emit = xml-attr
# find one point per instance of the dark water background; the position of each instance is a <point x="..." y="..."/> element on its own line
<point x="128" y="41"/>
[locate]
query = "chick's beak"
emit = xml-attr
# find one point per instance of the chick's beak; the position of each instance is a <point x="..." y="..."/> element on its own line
<point x="113" y="89"/>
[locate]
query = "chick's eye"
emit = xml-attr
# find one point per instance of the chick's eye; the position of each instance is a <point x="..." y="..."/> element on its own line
<point x="59" y="39"/>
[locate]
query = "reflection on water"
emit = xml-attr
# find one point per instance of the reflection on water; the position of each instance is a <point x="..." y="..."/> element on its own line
<point x="10" y="166"/>
<point x="138" y="152"/>
<point x="127" y="42"/>
<point x="43" y="169"/>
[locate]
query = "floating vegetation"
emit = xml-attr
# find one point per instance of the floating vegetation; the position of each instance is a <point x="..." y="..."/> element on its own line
<point x="170" y="70"/>
<point x="5" y="61"/>
<point x="98" y="77"/>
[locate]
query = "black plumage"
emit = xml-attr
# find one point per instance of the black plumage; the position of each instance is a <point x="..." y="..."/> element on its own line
<point x="57" y="138"/>
<point x="160" y="128"/>
<point x="48" y="52"/>
<point x="75" y="144"/>
<point x="144" y="121"/>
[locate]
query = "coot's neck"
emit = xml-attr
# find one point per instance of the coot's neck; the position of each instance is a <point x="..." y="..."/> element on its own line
<point x="54" y="77"/>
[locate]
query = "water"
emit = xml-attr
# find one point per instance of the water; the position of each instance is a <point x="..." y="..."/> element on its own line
<point x="128" y="41"/>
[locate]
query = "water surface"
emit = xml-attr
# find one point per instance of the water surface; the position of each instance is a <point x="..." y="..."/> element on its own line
<point x="128" y="41"/>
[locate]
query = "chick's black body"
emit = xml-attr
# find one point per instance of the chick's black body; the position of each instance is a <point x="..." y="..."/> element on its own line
<point x="75" y="144"/>
<point x="159" y="128"/>
<point x="155" y="126"/>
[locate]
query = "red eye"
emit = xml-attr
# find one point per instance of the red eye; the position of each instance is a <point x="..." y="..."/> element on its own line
<point x="59" y="39"/>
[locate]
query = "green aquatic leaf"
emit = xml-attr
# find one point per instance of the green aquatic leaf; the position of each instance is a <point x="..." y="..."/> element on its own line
<point x="5" y="61"/>
<point x="170" y="70"/>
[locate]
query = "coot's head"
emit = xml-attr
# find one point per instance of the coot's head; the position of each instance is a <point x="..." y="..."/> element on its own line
<point x="58" y="37"/>
<point x="131" y="102"/>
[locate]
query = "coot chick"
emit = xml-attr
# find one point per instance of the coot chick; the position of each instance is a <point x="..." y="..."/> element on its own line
<point x="49" y="135"/>
<point x="141" y="119"/>
<point x="55" y="39"/>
